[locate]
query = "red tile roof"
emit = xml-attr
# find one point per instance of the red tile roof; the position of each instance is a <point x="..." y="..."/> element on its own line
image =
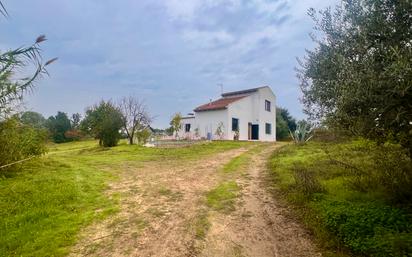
<point x="219" y="104"/>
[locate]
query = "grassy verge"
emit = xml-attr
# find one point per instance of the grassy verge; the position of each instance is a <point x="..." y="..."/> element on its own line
<point x="352" y="195"/>
<point x="44" y="206"/>
<point x="222" y="198"/>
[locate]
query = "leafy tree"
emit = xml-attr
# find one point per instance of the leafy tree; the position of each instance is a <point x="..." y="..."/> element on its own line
<point x="136" y="118"/>
<point x="359" y="77"/>
<point x="75" y="120"/>
<point x="58" y="126"/>
<point x="104" y="121"/>
<point x="33" y="119"/>
<point x="175" y="123"/>
<point x="291" y="122"/>
<point x="282" y="130"/>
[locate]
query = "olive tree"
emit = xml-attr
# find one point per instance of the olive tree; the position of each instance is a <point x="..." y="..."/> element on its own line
<point x="359" y="76"/>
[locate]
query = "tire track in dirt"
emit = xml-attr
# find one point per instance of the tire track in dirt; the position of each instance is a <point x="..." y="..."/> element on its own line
<point x="158" y="202"/>
<point x="259" y="226"/>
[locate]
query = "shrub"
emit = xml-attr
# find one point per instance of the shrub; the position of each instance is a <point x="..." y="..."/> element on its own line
<point x="393" y="171"/>
<point x="18" y="141"/>
<point x="143" y="136"/>
<point x="73" y="135"/>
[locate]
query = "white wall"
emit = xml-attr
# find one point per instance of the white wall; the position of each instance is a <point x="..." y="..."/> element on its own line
<point x="208" y="122"/>
<point x="243" y="110"/>
<point x="265" y="116"/>
<point x="190" y="134"/>
<point x="252" y="109"/>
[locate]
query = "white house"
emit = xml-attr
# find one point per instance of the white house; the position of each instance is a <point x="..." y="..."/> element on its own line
<point x="247" y="115"/>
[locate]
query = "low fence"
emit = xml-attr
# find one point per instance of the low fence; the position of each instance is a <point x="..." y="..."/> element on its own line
<point x="176" y="143"/>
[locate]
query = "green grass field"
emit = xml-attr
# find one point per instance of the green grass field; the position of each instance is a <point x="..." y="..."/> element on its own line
<point x="340" y="191"/>
<point x="45" y="204"/>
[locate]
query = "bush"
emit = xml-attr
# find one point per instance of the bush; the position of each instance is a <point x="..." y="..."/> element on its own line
<point x="73" y="135"/>
<point x="368" y="228"/>
<point x="18" y="141"/>
<point x="143" y="136"/>
<point x="103" y="121"/>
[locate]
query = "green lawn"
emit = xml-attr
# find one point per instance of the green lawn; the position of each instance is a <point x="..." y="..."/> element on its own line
<point x="352" y="195"/>
<point x="44" y="206"/>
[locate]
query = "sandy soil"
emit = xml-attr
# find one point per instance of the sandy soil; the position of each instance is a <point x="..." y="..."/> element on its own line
<point x="160" y="202"/>
<point x="260" y="226"/>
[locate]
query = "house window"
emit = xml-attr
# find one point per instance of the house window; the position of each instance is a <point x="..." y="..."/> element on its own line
<point x="267" y="105"/>
<point x="268" y="128"/>
<point x="235" y="124"/>
<point x="187" y="127"/>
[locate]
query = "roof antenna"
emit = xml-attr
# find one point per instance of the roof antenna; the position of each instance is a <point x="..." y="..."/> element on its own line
<point x="221" y="88"/>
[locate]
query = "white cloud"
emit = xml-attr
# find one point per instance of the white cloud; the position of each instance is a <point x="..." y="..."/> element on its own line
<point x="208" y="39"/>
<point x="187" y="10"/>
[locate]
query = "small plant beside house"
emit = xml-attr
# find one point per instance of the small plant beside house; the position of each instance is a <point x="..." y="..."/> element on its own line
<point x="220" y="131"/>
<point x="175" y="124"/>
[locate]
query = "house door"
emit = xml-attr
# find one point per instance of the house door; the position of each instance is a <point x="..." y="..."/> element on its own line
<point x="249" y="131"/>
<point x="255" y="132"/>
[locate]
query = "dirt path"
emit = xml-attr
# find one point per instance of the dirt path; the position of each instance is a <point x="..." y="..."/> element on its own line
<point x="260" y="226"/>
<point x="161" y="203"/>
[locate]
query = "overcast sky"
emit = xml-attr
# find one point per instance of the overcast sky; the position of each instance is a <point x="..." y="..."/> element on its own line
<point x="171" y="53"/>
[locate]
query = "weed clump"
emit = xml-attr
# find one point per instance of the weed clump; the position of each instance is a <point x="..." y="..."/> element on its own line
<point x="306" y="181"/>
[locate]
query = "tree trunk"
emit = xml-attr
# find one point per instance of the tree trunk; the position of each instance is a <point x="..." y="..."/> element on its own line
<point x="131" y="138"/>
